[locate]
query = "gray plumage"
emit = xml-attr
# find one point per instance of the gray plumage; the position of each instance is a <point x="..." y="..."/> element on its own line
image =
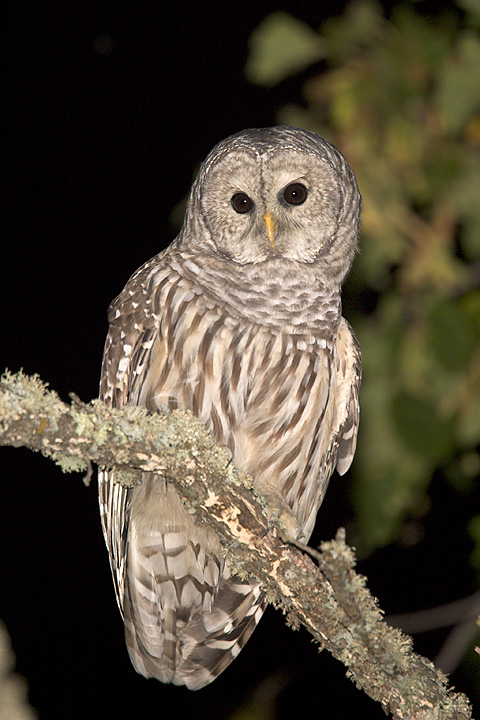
<point x="239" y="320"/>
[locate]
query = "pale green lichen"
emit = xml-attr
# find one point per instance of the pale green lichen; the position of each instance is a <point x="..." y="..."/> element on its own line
<point x="26" y="394"/>
<point x="84" y="423"/>
<point x="128" y="477"/>
<point x="69" y="464"/>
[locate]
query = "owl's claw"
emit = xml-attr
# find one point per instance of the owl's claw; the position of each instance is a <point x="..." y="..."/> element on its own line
<point x="281" y="518"/>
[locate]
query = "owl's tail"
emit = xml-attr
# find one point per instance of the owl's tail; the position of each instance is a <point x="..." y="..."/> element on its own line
<point x="185" y="618"/>
<point x="213" y="639"/>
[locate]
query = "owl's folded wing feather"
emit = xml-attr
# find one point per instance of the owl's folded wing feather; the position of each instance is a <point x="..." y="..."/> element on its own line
<point x="123" y="356"/>
<point x="349" y="376"/>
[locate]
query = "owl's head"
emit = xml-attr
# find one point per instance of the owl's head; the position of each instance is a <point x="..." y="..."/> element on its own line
<point x="273" y="194"/>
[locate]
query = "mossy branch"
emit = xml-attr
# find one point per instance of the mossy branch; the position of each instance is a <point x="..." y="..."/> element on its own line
<point x="328" y="598"/>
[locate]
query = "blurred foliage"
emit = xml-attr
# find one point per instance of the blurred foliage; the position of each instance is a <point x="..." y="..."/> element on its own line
<point x="401" y="98"/>
<point x="282" y="45"/>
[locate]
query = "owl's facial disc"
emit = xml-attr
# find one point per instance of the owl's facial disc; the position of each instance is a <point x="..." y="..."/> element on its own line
<point x="275" y="203"/>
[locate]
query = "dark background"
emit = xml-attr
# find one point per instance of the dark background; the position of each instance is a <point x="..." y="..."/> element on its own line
<point x="110" y="108"/>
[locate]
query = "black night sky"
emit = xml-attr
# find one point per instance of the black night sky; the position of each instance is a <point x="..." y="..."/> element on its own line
<point x="109" y="108"/>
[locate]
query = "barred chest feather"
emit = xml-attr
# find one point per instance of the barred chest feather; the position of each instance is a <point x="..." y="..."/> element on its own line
<point x="266" y="394"/>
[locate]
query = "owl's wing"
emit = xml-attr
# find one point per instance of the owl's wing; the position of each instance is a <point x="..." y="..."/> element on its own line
<point x="349" y="376"/>
<point x="125" y="356"/>
<point x="185" y="618"/>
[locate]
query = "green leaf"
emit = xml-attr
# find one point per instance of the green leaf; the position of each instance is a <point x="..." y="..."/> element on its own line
<point x="389" y="477"/>
<point x="281" y="46"/>
<point x="426" y="42"/>
<point x="464" y="470"/>
<point x="472" y="8"/>
<point x="381" y="501"/>
<point x="459" y="87"/>
<point x="468" y="425"/>
<point x="421" y="428"/>
<point x="463" y="193"/>
<point x="470" y="239"/>
<point x="453" y="335"/>
<point x="359" y="26"/>
<point x="470" y="305"/>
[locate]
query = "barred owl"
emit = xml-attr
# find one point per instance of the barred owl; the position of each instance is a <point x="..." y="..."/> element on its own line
<point x="239" y="320"/>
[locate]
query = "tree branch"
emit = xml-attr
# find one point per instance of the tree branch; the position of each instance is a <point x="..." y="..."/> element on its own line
<point x="330" y="599"/>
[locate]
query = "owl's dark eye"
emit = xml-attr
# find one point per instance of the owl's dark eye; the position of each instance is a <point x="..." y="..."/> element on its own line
<point x="295" y="194"/>
<point x="241" y="203"/>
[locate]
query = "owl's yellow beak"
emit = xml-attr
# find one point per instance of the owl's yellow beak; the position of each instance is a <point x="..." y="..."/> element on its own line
<point x="270" y="227"/>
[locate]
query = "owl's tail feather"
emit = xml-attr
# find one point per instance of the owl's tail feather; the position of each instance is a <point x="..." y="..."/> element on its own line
<point x="185" y="618"/>
<point x="212" y="640"/>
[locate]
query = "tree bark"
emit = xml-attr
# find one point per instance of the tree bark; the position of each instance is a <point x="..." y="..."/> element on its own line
<point x="327" y="596"/>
